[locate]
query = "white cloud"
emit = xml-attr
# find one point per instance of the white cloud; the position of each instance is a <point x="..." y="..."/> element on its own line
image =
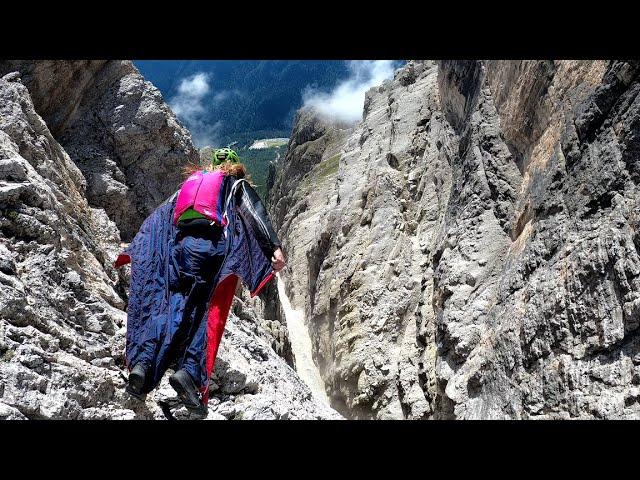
<point x="189" y="104"/>
<point x="346" y="101"/>
<point x="195" y="86"/>
<point x="226" y="94"/>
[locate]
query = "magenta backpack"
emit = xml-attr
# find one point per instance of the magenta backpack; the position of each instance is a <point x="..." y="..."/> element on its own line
<point x="203" y="191"/>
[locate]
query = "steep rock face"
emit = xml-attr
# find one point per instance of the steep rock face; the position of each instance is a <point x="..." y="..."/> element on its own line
<point x="117" y="129"/>
<point x="481" y="260"/>
<point x="303" y="195"/>
<point x="301" y="199"/>
<point x="267" y="312"/>
<point x="62" y="305"/>
<point x="356" y="284"/>
<point x="58" y="306"/>
<point x="555" y="334"/>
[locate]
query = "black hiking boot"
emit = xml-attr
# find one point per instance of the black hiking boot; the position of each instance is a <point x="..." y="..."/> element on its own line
<point x="136" y="382"/>
<point x="187" y="391"/>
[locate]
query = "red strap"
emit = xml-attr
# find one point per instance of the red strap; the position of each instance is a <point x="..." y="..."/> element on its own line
<point x="263" y="283"/>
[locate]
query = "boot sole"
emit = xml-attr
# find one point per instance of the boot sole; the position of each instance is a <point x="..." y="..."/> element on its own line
<point x="135" y="384"/>
<point x="137" y="395"/>
<point x="191" y="402"/>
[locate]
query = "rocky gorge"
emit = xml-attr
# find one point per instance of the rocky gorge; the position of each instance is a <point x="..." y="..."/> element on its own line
<point x="469" y="250"/>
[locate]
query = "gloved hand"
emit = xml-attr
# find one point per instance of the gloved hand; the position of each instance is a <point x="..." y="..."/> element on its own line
<point x="277" y="261"/>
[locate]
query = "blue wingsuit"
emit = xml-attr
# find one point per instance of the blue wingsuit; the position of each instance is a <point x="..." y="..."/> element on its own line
<point x="178" y="304"/>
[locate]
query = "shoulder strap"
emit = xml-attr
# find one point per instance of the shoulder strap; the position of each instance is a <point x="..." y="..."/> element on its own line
<point x="226" y="203"/>
<point x="231" y="192"/>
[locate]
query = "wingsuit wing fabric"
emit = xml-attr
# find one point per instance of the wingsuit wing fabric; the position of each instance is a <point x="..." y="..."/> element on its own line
<point x="149" y="313"/>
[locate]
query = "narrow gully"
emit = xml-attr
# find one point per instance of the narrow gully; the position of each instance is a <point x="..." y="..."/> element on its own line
<point x="301" y="346"/>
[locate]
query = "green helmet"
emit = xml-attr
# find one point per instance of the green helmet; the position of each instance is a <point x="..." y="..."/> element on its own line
<point x="222" y="155"/>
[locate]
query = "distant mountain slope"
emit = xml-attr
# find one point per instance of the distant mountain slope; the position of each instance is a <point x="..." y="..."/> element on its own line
<point x="247" y="96"/>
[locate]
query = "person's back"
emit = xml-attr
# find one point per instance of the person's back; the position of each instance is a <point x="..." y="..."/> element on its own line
<point x="199" y="249"/>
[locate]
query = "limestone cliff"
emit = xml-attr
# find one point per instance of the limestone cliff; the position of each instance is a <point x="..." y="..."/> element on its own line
<point x="116" y="128"/>
<point x="474" y="251"/>
<point x="470" y="249"/>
